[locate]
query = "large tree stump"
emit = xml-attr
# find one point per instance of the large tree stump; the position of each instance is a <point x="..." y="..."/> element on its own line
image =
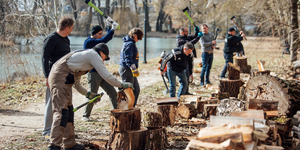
<point x="127" y="140"/>
<point x="152" y="119"/>
<point x="233" y="71"/>
<point x="241" y="63"/>
<point x="186" y="111"/>
<point x="231" y="86"/>
<point x="286" y="92"/>
<point x="168" y="113"/>
<point x="156" y="139"/>
<point x="125" y="120"/>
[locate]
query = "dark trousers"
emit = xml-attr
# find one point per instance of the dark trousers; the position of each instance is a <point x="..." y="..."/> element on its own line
<point x="127" y="76"/>
<point x="228" y="58"/>
<point x="207" y="59"/>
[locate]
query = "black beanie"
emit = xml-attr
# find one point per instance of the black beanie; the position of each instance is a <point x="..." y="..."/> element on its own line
<point x="95" y="29"/>
<point x="103" y="48"/>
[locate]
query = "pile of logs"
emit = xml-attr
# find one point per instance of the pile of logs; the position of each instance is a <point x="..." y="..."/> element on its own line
<point x="227" y="106"/>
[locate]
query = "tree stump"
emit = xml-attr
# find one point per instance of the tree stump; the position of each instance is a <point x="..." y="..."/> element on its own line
<point x="156" y="139"/>
<point x="231" y="86"/>
<point x="152" y="119"/>
<point x="125" y="120"/>
<point x="233" y="71"/>
<point x="186" y="111"/>
<point x="241" y="63"/>
<point x="286" y="92"/>
<point x="127" y="140"/>
<point x="168" y="113"/>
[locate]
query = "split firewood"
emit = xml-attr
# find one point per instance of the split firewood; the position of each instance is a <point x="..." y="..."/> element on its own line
<point x="167" y="101"/>
<point x="197" y="70"/>
<point x="255" y="114"/>
<point x="236" y="138"/>
<point x="261" y="65"/>
<point x="200" y="64"/>
<point x="125" y="99"/>
<point x="196" y="144"/>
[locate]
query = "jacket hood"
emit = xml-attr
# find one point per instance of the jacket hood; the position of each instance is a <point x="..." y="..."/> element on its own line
<point x="128" y="39"/>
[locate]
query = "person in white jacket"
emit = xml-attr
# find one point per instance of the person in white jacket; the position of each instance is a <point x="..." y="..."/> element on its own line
<point x="75" y="63"/>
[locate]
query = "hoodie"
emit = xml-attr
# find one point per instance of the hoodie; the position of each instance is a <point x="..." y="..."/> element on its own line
<point x="232" y="43"/>
<point x="129" y="54"/>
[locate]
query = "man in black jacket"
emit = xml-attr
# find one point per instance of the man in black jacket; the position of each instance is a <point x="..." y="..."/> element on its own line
<point x="231" y="45"/>
<point x="177" y="61"/>
<point x="183" y="38"/>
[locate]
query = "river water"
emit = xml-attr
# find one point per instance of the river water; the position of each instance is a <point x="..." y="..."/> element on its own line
<point x="28" y="58"/>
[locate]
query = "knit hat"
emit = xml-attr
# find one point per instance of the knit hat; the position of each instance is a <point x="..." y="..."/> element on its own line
<point x="231" y="29"/>
<point x="96" y="29"/>
<point x="103" y="48"/>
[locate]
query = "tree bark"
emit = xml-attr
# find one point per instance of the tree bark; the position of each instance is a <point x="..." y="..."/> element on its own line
<point x="294" y="28"/>
<point x="168" y="113"/>
<point x="157" y="139"/>
<point x="241" y="63"/>
<point x="125" y="120"/>
<point x="233" y="71"/>
<point x="231" y="86"/>
<point x="152" y="119"/>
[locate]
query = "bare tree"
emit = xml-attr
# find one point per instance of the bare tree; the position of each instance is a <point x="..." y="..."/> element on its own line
<point x="294" y="30"/>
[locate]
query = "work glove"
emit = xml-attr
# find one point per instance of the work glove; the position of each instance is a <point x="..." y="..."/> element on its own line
<point x="197" y="29"/>
<point x="108" y="21"/>
<point x="200" y="34"/>
<point x="135" y="72"/>
<point x="126" y="85"/>
<point x="114" y="26"/>
<point x="91" y="95"/>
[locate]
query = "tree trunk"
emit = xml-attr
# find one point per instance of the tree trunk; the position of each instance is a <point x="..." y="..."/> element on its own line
<point x="186" y="111"/>
<point x="295" y="33"/>
<point x="157" y="139"/>
<point x="136" y="13"/>
<point x="168" y="113"/>
<point x="127" y="140"/>
<point x="233" y="71"/>
<point x="152" y="119"/>
<point x="148" y="27"/>
<point x="73" y="5"/>
<point x="286" y="92"/>
<point x="100" y="17"/>
<point x="125" y="120"/>
<point x="231" y="86"/>
<point x="241" y="63"/>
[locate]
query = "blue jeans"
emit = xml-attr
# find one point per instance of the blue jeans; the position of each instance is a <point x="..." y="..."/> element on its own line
<point x="228" y="58"/>
<point x="127" y="76"/>
<point x="187" y="73"/>
<point x="48" y="116"/>
<point x="207" y="59"/>
<point x="95" y="80"/>
<point x="182" y="80"/>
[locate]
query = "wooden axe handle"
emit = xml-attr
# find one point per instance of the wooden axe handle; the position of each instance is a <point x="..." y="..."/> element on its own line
<point x="239" y="29"/>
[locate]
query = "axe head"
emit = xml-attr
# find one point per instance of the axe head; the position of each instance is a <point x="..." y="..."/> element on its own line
<point x="186" y="9"/>
<point x="218" y="29"/>
<point x="232" y="17"/>
<point x="87" y="1"/>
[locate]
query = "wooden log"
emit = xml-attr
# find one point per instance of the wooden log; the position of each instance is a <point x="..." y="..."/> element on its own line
<point x="241" y="94"/>
<point x="152" y="119"/>
<point x="236" y="138"/>
<point x="129" y="140"/>
<point x="256" y="73"/>
<point x="231" y="86"/>
<point x="198" y="145"/>
<point x="223" y="95"/>
<point x="220" y="121"/>
<point x="255" y="114"/>
<point x="272" y="113"/>
<point x="233" y="72"/>
<point x="186" y="111"/>
<point x="125" y="120"/>
<point x="261" y="65"/>
<point x="168" y="113"/>
<point x="156" y="138"/>
<point x="188" y="99"/>
<point x="210" y="109"/>
<point x="263" y="104"/>
<point x="167" y="101"/>
<point x="125" y="99"/>
<point x="241" y="63"/>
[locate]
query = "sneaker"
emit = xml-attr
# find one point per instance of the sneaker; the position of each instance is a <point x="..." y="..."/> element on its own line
<point x="53" y="147"/>
<point x="85" y="119"/>
<point x="76" y="147"/>
<point x="201" y="84"/>
<point x="208" y="83"/>
<point x="47" y="137"/>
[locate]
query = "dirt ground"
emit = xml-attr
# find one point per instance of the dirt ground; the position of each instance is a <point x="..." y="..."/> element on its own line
<point x="26" y="121"/>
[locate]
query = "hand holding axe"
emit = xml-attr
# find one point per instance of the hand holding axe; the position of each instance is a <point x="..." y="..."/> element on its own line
<point x="232" y="19"/>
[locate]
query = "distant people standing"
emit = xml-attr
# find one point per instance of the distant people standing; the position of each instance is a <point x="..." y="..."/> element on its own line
<point x="183" y="38"/>
<point x="207" y="48"/>
<point x="231" y="45"/>
<point x="129" y="60"/>
<point x="55" y="46"/>
<point x="94" y="79"/>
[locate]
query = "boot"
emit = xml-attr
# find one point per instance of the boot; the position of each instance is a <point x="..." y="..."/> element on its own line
<point x="76" y="147"/>
<point x="53" y="147"/>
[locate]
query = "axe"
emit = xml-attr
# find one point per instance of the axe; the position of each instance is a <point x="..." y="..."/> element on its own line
<point x="232" y="19"/>
<point x="185" y="10"/>
<point x="90" y="101"/>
